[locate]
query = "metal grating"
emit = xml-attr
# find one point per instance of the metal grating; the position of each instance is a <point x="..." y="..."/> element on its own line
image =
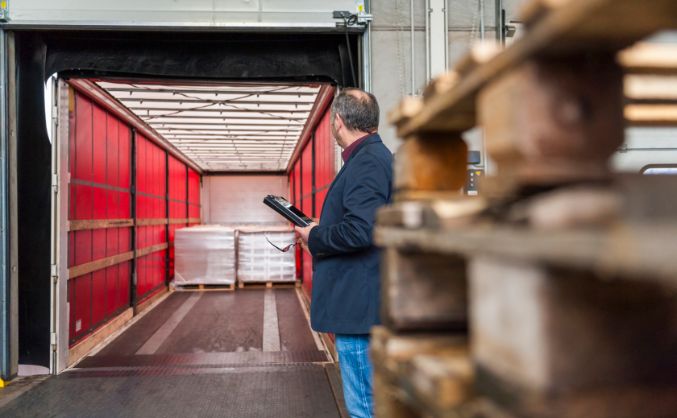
<point x="224" y="127"/>
<point x="298" y="391"/>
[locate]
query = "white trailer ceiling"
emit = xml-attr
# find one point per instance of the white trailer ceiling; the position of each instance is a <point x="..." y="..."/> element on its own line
<point x="225" y="127"/>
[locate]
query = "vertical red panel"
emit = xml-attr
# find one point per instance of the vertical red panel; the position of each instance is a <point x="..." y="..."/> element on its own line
<point x="290" y="180"/>
<point x="183" y="189"/>
<point x="123" y="293"/>
<point x="151" y="204"/>
<point x="81" y="243"/>
<point x="100" y="163"/>
<point x="325" y="156"/>
<point x="297" y="183"/>
<point x="71" y="249"/>
<point x="193" y="194"/>
<point x="98" y="244"/>
<point x="99" y="297"/>
<point x="82" y="306"/>
<point x="112" y="151"/>
<point x="301" y="184"/>
<point x="83" y="247"/>
<point x="83" y="201"/>
<point x="99" y="147"/>
<point x="112" y="289"/>
<point x="294" y="199"/>
<point x="125" y="149"/>
<point x="307" y="177"/>
<point x="100" y="180"/>
<point x="83" y="138"/>
<point x="307" y="207"/>
<point x="71" y="310"/>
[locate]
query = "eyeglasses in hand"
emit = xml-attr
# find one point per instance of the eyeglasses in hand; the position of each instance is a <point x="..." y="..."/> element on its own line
<point x="283" y="249"/>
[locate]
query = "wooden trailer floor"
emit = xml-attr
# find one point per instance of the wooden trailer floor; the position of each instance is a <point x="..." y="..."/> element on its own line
<point x="248" y="353"/>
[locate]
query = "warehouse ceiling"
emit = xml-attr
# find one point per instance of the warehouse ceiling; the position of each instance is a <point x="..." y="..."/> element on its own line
<point x="224" y="127"/>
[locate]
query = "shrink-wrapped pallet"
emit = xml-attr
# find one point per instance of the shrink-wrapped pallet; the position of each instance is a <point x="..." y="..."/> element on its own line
<point x="204" y="254"/>
<point x="259" y="261"/>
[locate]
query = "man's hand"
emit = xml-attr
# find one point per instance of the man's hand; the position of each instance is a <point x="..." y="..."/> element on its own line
<point x="303" y="233"/>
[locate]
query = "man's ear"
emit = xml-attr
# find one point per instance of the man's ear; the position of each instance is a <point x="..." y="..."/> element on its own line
<point x="339" y="122"/>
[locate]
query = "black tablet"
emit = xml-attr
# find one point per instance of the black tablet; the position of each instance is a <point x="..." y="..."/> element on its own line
<point x="282" y="206"/>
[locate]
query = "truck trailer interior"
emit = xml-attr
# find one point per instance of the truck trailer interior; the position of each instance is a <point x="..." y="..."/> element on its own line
<point x="147" y="134"/>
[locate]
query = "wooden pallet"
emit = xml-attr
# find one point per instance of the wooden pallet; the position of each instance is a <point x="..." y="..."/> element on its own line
<point x="582" y="25"/>
<point x="420" y="372"/>
<point x="631" y="211"/>
<point x="206" y="288"/>
<point x="267" y="285"/>
<point x="558" y="250"/>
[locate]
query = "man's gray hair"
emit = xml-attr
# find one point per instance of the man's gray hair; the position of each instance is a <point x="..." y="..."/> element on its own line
<point x="358" y="109"/>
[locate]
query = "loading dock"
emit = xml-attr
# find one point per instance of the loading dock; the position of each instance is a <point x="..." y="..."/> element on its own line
<point x="123" y="178"/>
<point x="199" y="354"/>
<point x="33" y="202"/>
<point x="306" y="56"/>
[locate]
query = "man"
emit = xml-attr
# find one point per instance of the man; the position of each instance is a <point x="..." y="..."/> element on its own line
<point x="346" y="280"/>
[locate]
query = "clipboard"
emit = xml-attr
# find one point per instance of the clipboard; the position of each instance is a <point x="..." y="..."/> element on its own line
<point x="290" y="212"/>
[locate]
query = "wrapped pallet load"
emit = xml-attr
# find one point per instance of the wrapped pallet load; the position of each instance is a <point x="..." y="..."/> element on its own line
<point x="205" y="255"/>
<point x="259" y="261"/>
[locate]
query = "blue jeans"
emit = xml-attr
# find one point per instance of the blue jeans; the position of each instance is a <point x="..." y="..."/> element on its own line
<point x="356" y="374"/>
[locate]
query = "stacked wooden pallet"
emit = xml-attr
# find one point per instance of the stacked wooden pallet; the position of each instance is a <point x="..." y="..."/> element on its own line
<point x="553" y="293"/>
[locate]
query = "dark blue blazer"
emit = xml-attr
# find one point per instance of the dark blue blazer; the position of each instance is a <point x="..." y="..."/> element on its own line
<point x="346" y="282"/>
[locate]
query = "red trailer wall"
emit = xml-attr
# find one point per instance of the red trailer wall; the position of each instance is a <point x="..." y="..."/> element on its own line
<point x="307" y="208"/>
<point x="99" y="189"/>
<point x="178" y="210"/>
<point x="325" y="161"/>
<point x="151" y="200"/>
<point x="193" y="201"/>
<point x="294" y="196"/>
<point x="310" y="178"/>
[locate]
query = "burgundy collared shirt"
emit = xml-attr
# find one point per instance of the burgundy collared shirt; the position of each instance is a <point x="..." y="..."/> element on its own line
<point x="346" y="153"/>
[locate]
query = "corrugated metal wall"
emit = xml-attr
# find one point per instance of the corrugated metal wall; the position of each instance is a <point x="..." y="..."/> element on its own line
<point x="100" y="252"/>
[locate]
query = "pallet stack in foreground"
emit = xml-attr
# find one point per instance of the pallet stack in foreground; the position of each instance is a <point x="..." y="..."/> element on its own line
<point x="554" y="293"/>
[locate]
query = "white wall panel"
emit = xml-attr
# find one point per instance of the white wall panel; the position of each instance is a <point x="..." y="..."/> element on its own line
<point x="392" y="46"/>
<point x="238" y="199"/>
<point x="392" y="74"/>
<point x="207" y="13"/>
<point x="645" y="146"/>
